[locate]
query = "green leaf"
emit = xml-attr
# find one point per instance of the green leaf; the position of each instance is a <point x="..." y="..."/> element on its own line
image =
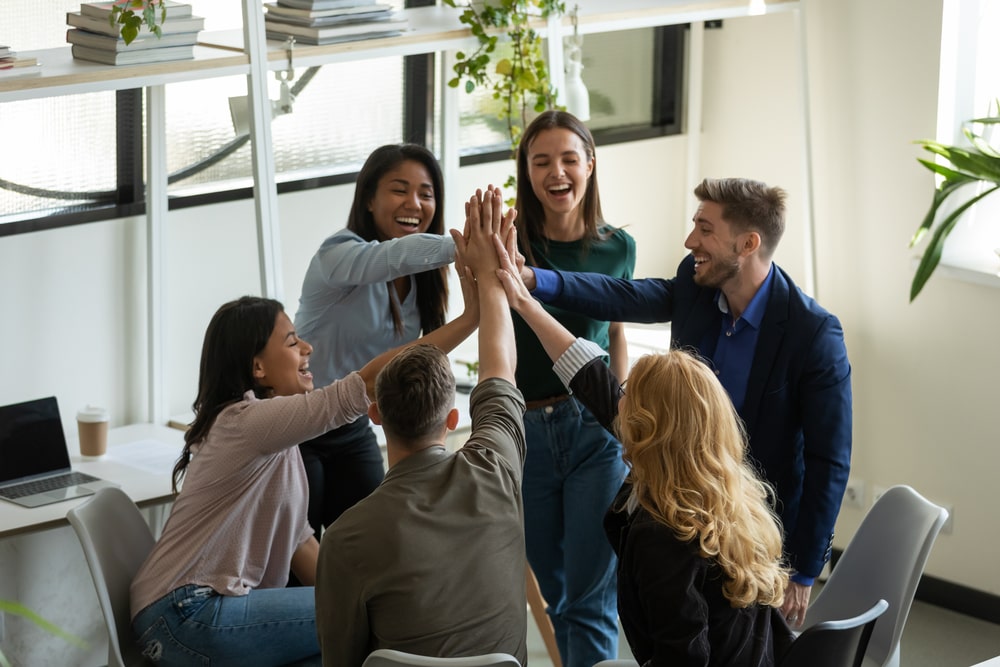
<point x="469" y="86"/>
<point x="940" y="195"/>
<point x="18" y="609"/>
<point x="932" y="256"/>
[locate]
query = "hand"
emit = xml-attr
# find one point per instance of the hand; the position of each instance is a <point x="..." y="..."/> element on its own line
<point x="470" y="294"/>
<point x="518" y="295"/>
<point x="796" y="603"/>
<point x="483" y="220"/>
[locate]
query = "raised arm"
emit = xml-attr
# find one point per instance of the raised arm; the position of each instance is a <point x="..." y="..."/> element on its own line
<point x="578" y="362"/>
<point x="484" y="222"/>
<point x="446" y="337"/>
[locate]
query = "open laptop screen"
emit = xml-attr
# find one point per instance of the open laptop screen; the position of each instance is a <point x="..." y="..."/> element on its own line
<point x="31" y="439"/>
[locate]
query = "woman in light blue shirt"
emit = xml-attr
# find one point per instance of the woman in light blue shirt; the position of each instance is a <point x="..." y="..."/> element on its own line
<point x="370" y="287"/>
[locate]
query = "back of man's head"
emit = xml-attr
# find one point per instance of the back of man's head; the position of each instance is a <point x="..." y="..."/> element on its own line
<point x="749" y="206"/>
<point x="414" y="392"/>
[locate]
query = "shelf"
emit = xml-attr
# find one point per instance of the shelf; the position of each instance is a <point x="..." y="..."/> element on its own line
<point x="62" y="74"/>
<point x="438" y="28"/>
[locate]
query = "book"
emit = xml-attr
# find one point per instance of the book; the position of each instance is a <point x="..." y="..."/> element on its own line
<point x="324" y="4"/>
<point x="5" y="52"/>
<point x="277" y="10"/>
<point x="322" y="41"/>
<point x="109" y="43"/>
<point x="323" y="21"/>
<point x="101" y="26"/>
<point x="18" y="67"/>
<point x="13" y="62"/>
<point x="323" y="34"/>
<point x="133" y="57"/>
<point x="103" y="9"/>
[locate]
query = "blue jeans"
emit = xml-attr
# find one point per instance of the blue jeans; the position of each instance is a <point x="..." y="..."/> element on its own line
<point x="194" y="625"/>
<point x="572" y="472"/>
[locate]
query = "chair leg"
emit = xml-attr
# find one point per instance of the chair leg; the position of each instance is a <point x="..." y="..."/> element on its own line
<point x="542" y="620"/>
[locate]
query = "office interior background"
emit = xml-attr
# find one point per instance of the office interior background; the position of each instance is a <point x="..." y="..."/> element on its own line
<point x="924" y="373"/>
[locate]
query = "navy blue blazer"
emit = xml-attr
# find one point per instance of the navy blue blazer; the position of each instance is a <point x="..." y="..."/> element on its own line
<point x="797" y="408"/>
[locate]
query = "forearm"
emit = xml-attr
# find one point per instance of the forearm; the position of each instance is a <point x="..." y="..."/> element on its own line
<point x="447" y="338"/>
<point x="497" y="351"/>
<point x="553" y="336"/>
<point x="618" y="349"/>
<point x="351" y="261"/>
<point x="304" y="562"/>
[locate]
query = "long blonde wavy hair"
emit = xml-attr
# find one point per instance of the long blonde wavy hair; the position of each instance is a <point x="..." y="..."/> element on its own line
<point x="687" y="450"/>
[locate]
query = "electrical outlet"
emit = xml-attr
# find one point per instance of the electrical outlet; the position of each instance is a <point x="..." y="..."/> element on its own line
<point x="854" y="494"/>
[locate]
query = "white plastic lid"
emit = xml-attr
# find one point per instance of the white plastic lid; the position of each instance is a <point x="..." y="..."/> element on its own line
<point x="92" y="413"/>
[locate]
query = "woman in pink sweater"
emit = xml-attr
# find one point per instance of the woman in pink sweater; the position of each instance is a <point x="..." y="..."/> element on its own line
<point x="213" y="589"/>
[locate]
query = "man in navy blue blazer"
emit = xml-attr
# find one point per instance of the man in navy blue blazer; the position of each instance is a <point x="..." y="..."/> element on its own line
<point x="777" y="352"/>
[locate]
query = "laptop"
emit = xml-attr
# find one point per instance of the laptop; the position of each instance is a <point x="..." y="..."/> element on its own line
<point x="34" y="460"/>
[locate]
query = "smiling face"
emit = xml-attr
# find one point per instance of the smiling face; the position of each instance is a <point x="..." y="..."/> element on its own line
<point x="559" y="168"/>
<point x="404" y="201"/>
<point x="715" y="246"/>
<point x="283" y="364"/>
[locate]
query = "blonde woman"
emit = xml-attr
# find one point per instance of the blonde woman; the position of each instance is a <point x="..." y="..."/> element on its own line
<point x="700" y="571"/>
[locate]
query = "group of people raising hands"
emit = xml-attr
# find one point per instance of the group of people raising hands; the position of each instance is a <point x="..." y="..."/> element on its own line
<point x="655" y="469"/>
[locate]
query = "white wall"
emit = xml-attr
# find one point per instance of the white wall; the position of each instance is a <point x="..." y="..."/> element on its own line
<point x="924" y="374"/>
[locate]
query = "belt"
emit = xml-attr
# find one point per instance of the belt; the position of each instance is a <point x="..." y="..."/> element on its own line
<point x="545" y="402"/>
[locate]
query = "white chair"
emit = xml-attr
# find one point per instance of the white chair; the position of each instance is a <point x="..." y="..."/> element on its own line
<point x="884" y="560"/>
<point x="116" y="541"/>
<point x="834" y="643"/>
<point x="384" y="657"/>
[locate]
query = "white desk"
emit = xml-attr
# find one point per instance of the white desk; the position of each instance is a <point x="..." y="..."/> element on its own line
<point x="140" y="458"/>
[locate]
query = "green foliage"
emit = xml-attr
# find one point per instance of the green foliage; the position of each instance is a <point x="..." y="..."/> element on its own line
<point x="518" y="77"/>
<point x="18" y="609"/>
<point x="132" y="14"/>
<point x="976" y="163"/>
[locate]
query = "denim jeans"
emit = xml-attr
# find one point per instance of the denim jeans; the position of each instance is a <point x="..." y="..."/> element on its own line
<point x="194" y="625"/>
<point x="572" y="472"/>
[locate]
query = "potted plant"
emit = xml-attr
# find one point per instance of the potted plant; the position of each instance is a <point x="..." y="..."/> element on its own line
<point x="977" y="163"/>
<point x="131" y="15"/>
<point x="515" y="69"/>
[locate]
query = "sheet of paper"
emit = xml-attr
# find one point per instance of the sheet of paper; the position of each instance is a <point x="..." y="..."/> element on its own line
<point x="150" y="455"/>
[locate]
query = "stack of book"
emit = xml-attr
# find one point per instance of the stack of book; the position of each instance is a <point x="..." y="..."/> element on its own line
<point x="330" y="21"/>
<point x="12" y="65"/>
<point x="94" y="37"/>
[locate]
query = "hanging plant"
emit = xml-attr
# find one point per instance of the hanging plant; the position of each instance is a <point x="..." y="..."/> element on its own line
<point x="975" y="163"/>
<point x="516" y="73"/>
<point x="131" y="15"/>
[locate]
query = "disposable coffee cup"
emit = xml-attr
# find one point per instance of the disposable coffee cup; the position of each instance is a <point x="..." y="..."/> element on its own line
<point x="92" y="425"/>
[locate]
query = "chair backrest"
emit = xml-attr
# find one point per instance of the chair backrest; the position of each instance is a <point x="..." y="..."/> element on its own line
<point x="116" y="540"/>
<point x="384" y="657"/>
<point x="834" y="643"/>
<point x="884" y="559"/>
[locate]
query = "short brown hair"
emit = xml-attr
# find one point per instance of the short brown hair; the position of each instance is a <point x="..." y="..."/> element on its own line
<point x="415" y="391"/>
<point x="749" y="206"/>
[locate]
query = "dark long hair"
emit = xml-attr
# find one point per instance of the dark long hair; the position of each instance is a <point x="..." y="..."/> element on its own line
<point x="530" y="213"/>
<point x="432" y="286"/>
<point x="238" y="332"/>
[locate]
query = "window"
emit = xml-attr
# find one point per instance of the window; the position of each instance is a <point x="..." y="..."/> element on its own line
<point x="970" y="88"/>
<point x="340" y="113"/>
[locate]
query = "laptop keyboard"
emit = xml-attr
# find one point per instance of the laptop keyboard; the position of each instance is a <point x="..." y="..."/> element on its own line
<point x="46" y="484"/>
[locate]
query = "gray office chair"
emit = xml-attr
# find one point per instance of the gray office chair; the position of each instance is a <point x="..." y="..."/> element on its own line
<point x="884" y="560"/>
<point x="384" y="657"/>
<point x="834" y="643"/>
<point x="116" y="541"/>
